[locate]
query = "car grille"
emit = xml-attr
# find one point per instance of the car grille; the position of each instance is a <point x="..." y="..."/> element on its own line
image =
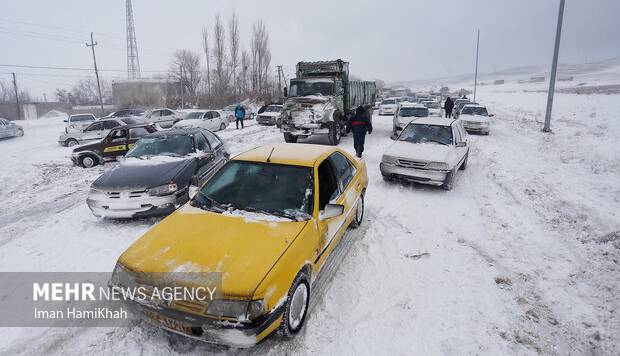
<point x="411" y="164"/>
<point x="126" y="194"/>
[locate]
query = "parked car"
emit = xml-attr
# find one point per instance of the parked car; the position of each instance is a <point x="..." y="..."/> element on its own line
<point x="267" y="221"/>
<point x="93" y="132"/>
<point x="78" y="121"/>
<point x="388" y="106"/>
<point x="10" y="129"/>
<point x="229" y="112"/>
<point x="434" y="109"/>
<point x="406" y="113"/>
<point x="475" y="118"/>
<point x="114" y="145"/>
<point x="132" y="113"/>
<point x="376" y="105"/>
<point x="270" y="116"/>
<point x="207" y="119"/>
<point x="165" y="118"/>
<point x="156" y="174"/>
<point x="459" y="106"/>
<point x="429" y="150"/>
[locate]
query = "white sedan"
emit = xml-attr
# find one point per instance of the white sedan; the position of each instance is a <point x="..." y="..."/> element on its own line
<point x="475" y="118"/>
<point x="388" y="106"/>
<point x="207" y="119"/>
<point x="429" y="150"/>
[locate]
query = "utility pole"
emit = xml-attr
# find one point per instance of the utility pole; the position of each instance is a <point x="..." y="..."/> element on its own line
<point x="554" y="68"/>
<point x="182" y="97"/>
<point x="19" y="114"/>
<point x="279" y="81"/>
<point x="476" y="73"/>
<point x="92" y="45"/>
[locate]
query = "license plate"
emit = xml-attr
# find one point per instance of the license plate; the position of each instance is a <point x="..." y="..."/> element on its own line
<point x="169" y="323"/>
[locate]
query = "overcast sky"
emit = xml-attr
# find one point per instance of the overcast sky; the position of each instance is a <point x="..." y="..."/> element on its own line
<point x="388" y="39"/>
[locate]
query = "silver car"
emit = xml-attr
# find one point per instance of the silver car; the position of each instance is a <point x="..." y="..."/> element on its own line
<point x="93" y="132"/>
<point x="165" y="118"/>
<point x="10" y="129"/>
<point x="79" y="121"/>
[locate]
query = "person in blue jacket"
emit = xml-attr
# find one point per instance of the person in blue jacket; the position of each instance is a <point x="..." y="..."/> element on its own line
<point x="239" y="114"/>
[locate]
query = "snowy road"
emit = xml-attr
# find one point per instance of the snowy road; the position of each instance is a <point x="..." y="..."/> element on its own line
<point x="521" y="257"/>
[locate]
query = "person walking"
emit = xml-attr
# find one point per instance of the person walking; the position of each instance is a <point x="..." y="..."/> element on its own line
<point x="360" y="124"/>
<point x="448" y="106"/>
<point x="239" y="115"/>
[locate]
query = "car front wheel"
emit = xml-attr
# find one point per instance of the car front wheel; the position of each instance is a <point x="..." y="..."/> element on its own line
<point x="359" y="212"/>
<point x="71" y="142"/>
<point x="88" y="161"/>
<point x="20" y="133"/>
<point x="448" y="183"/>
<point x="296" y="306"/>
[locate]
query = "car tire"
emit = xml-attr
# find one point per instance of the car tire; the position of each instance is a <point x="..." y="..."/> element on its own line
<point x="88" y="161"/>
<point x="20" y="132"/>
<point x="464" y="164"/>
<point x="296" y="307"/>
<point x="388" y="178"/>
<point x="487" y="133"/>
<point x="449" y="182"/>
<point x="334" y="134"/>
<point x="71" y="142"/>
<point x="288" y="138"/>
<point x="359" y="212"/>
<point x="222" y="126"/>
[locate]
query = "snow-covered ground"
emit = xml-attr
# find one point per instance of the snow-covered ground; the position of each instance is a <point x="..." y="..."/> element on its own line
<point x="521" y="257"/>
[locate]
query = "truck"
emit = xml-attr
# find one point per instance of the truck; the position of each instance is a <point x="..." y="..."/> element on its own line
<point x="321" y="99"/>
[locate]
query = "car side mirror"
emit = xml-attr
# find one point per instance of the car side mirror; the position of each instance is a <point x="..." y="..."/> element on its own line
<point x="461" y="144"/>
<point x="331" y="211"/>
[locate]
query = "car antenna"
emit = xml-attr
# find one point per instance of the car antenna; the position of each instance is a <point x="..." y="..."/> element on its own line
<point x="270" y="153"/>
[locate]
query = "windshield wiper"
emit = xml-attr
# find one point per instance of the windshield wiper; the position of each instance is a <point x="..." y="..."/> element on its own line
<point x="213" y="204"/>
<point x="439" y="142"/>
<point x="277" y="213"/>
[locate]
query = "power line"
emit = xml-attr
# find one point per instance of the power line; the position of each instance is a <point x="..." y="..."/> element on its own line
<point x="75" y="68"/>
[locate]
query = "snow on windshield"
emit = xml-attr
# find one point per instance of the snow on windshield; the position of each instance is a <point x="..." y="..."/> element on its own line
<point x="423" y="133"/>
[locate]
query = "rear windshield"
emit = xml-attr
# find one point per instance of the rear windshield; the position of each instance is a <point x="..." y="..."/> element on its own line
<point x="167" y="145"/>
<point x="273" y="109"/>
<point x="474" y="110"/>
<point x="388" y="102"/>
<point x="194" y="115"/>
<point x="77" y="118"/>
<point x="129" y="121"/>
<point x="413" y="112"/>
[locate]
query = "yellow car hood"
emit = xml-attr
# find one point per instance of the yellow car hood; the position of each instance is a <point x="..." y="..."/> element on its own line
<point x="194" y="240"/>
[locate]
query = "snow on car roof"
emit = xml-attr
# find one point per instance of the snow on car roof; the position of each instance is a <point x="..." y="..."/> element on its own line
<point x="474" y="106"/>
<point x="412" y="105"/>
<point x="432" y="120"/>
<point x="298" y="154"/>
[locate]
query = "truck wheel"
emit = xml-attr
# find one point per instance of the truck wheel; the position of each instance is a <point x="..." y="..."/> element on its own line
<point x="88" y="161"/>
<point x="290" y="138"/>
<point x="334" y="134"/>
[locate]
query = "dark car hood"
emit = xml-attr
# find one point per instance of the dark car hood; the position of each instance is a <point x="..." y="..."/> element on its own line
<point x="142" y="174"/>
<point x="91" y="146"/>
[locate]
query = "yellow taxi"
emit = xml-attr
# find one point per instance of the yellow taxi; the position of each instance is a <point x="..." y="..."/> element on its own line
<point x="267" y="221"/>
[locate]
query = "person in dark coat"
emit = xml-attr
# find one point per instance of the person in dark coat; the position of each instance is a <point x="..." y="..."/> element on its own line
<point x="239" y="115"/>
<point x="360" y="124"/>
<point x="448" y="106"/>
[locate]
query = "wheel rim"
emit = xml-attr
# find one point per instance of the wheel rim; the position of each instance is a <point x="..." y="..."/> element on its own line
<point x="359" y="212"/>
<point x="88" y="162"/>
<point x="72" y="143"/>
<point x="222" y="126"/>
<point x="297" y="309"/>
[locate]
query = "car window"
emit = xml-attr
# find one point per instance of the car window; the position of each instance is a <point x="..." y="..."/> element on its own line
<point x="110" y="124"/>
<point x="166" y="113"/>
<point x="474" y="110"/>
<point x="328" y="185"/>
<point x="214" y="141"/>
<point x="426" y="133"/>
<point x="77" y="118"/>
<point x="201" y="143"/>
<point x="97" y="126"/>
<point x="138" y="132"/>
<point x="129" y="121"/>
<point x="215" y="114"/>
<point x="207" y="115"/>
<point x="117" y="136"/>
<point x="343" y="168"/>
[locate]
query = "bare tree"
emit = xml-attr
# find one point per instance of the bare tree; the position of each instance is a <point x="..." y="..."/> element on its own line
<point x="7" y="93"/>
<point x="205" y="46"/>
<point x="85" y="92"/>
<point x="261" y="57"/>
<point x="185" y="68"/>
<point x="233" y="28"/>
<point x="219" y="56"/>
<point x="245" y="68"/>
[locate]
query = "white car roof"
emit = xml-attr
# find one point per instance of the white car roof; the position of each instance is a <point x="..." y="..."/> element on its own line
<point x="433" y="120"/>
<point x="473" y="106"/>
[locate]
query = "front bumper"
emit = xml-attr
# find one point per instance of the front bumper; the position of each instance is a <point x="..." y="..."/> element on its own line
<point x="211" y="330"/>
<point x="476" y="127"/>
<point x="304" y="129"/>
<point x="132" y="204"/>
<point x="386" y="112"/>
<point x="426" y="176"/>
<point x="266" y="120"/>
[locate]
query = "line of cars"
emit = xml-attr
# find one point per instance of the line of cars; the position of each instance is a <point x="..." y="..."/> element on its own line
<point x="430" y="149"/>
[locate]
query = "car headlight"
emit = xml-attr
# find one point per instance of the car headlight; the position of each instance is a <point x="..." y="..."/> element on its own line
<point x="389" y="160"/>
<point x="440" y="166"/>
<point x="236" y="309"/>
<point x="163" y="189"/>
